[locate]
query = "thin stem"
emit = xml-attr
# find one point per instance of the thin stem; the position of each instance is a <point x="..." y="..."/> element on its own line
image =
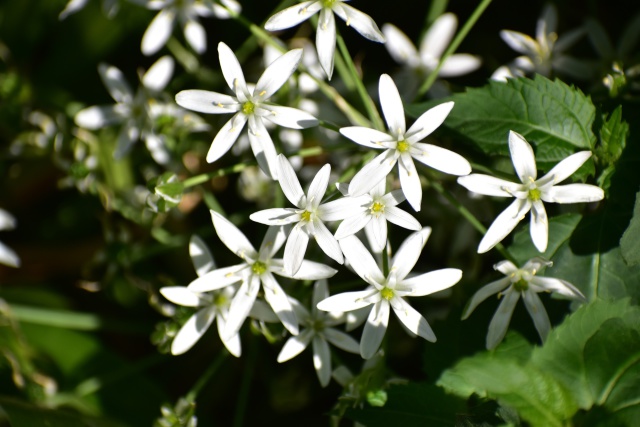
<point x="204" y="378"/>
<point x="385" y="262"/>
<point x="245" y="385"/>
<point x="436" y="9"/>
<point x="454" y="45"/>
<point x="369" y="105"/>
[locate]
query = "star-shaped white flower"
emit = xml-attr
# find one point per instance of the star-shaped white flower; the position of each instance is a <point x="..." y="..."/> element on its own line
<point x="380" y="208"/>
<point x="257" y="268"/>
<point x="187" y="13"/>
<point x="521" y="282"/>
<point x="326" y="31"/>
<point x="249" y="105"/>
<point x="318" y="330"/>
<point x="389" y="292"/>
<point x="402" y="146"/>
<point x="530" y="192"/>
<point x="308" y="215"/>
<point x="8" y="255"/>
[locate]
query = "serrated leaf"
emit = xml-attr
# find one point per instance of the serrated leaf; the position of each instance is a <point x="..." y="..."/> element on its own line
<point x="630" y="241"/>
<point x="555" y="117"/>
<point x="613" y="139"/>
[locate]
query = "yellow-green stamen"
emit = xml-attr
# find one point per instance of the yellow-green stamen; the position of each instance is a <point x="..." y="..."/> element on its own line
<point x="387" y="293"/>
<point x="220" y="300"/>
<point x="402" y="146"/>
<point x="259" y="268"/>
<point x="306" y="216"/>
<point x="521" y="285"/>
<point x="376" y="208"/>
<point x="328" y="3"/>
<point x="534" y="195"/>
<point x="248" y="107"/>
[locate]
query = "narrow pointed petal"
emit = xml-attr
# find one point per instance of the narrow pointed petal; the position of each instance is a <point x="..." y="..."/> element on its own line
<point x="128" y="135"/>
<point x="407" y="255"/>
<point x="483" y="293"/>
<point x="231" y="343"/>
<point x="327" y="242"/>
<point x="429" y="121"/>
<point x="322" y="360"/>
<point x="392" y="106"/>
<point x="567" y="167"/>
<point x="277" y="73"/>
<point x="231" y="69"/>
<point x="159" y="74"/>
<point x="399" y="46"/>
<point x="204" y="101"/>
<point x="181" y="295"/>
<point x="241" y="305"/>
<point x="289" y="182"/>
<point x="500" y="321"/>
<point x="262" y="147"/>
<point x="263" y="312"/>
<point x="196" y="36"/>
<point x="372" y="173"/>
<point x="318" y="186"/>
<point x="539" y="227"/>
<point x="488" y="185"/>
<point x="352" y="225"/>
<point x="401" y="218"/>
<point x="115" y="83"/>
<point x="200" y="256"/>
<point x="295" y="249"/>
<point x="279" y="302"/>
<point x="374" y="329"/>
<point x="506" y="267"/>
<point x="293" y="15"/>
<point x="376" y="231"/>
<point x="342" y="208"/>
<point x="275" y="216"/>
<point x="72" y="7"/>
<point x="326" y="41"/>
<point x="346" y="301"/>
<point x="232" y="237"/>
<point x="432" y="282"/>
<point x="158" y="32"/>
<point x="519" y="42"/>
<point x="438" y="37"/>
<point x="558" y="286"/>
<point x="342" y="340"/>
<point x="360" y="259"/>
<point x="410" y="182"/>
<point x="504" y="224"/>
<point x="225" y="138"/>
<point x="413" y="320"/>
<point x="365" y="136"/>
<point x="361" y="22"/>
<point x="272" y="242"/>
<point x="97" y="117"/>
<point x="8" y="256"/>
<point x="192" y="330"/>
<point x="538" y="313"/>
<point x="459" y="65"/>
<point x="295" y="345"/>
<point x="440" y="159"/>
<point x="218" y="278"/>
<point x="524" y="161"/>
<point x="568" y="39"/>
<point x="288" y="117"/>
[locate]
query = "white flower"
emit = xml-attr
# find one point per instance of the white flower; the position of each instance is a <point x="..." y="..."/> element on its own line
<point x="520" y="282"/>
<point x="545" y="52"/>
<point x="8" y="255"/>
<point x="389" y="292"/>
<point x="134" y="111"/>
<point x="318" y="330"/>
<point x="530" y="193"/>
<point x="109" y="8"/>
<point x="402" y="146"/>
<point x="187" y="13"/>
<point x="380" y="208"/>
<point x="433" y="44"/>
<point x="326" y="31"/>
<point x="249" y="105"/>
<point x="257" y="268"/>
<point x="309" y="214"/>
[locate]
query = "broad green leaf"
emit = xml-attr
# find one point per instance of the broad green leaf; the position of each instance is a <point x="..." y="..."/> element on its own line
<point x="630" y="242"/>
<point x="553" y="116"/>
<point x="613" y="139"/>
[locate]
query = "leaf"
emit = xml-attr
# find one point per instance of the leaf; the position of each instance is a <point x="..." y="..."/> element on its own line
<point x="613" y="139"/>
<point x="413" y="404"/>
<point x="630" y="241"/>
<point x="552" y="115"/>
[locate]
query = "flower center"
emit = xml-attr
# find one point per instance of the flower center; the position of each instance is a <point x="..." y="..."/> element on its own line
<point x="259" y="268"/>
<point x="376" y="208"/>
<point x="328" y="3"/>
<point x="306" y="216"/>
<point x="220" y="300"/>
<point x="402" y="146"/>
<point x="534" y="195"/>
<point x="521" y="285"/>
<point x="248" y="107"/>
<point x="387" y="293"/>
<point x="318" y="325"/>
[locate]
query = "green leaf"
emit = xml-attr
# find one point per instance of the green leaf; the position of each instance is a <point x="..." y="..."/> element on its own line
<point x="550" y="114"/>
<point x="613" y="139"/>
<point x="630" y="241"/>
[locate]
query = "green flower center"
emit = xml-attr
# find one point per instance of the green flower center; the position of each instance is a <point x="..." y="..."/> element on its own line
<point x="521" y="285"/>
<point x="306" y="216"/>
<point x="402" y="146"/>
<point x="377" y="208"/>
<point x="534" y="195"/>
<point x="387" y="293"/>
<point x="318" y="325"/>
<point x="328" y="3"/>
<point x="259" y="268"/>
<point x="220" y="300"/>
<point x="248" y="107"/>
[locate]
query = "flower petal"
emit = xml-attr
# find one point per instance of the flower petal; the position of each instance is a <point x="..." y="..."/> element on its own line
<point x="524" y="161"/>
<point x="326" y="41"/>
<point x="539" y="228"/>
<point x="374" y="329"/>
<point x="196" y="36"/>
<point x="158" y="32"/>
<point x="376" y="232"/>
<point x="322" y="360"/>
<point x="192" y="330"/>
<point x="8" y="256"/>
<point x="520" y="42"/>
<point x="233" y="238"/>
<point x="288" y="117"/>
<point x="365" y="136"/>
<point x="440" y="159"/>
<point x="241" y="305"/>
<point x="372" y="173"/>
<point x="231" y="343"/>
<point x="352" y="225"/>
<point x="293" y="15"/>
<point x="429" y="121"/>
<point x="97" y="117"/>
<point x="262" y="147"/>
<point x="407" y="255"/>
<point x="327" y="242"/>
<point x="392" y="106"/>
<point x="204" y="101"/>
<point x="538" y="313"/>
<point x="309" y="270"/>
<point x="504" y="224"/>
<point x="159" y="74"/>
<point x="279" y="302"/>
<point x="488" y="185"/>
<point x="295" y="249"/>
<point x="181" y="295"/>
<point x="226" y="136"/>
<point x="360" y="21"/>
<point x="361" y="260"/>
<point x="276" y="74"/>
<point x="200" y="256"/>
<point x="295" y="345"/>
<point x="272" y="242"/>
<point x="413" y="320"/>
<point x="567" y="167"/>
<point x="502" y="317"/>
<point x="506" y="267"/>
<point x="438" y="37"/>
<point x="399" y="46"/>
<point x="289" y="183"/>
<point x="341" y="340"/>
<point x="346" y="301"/>
<point x="459" y="65"/>
<point x="275" y="216"/>
<point x="559" y="286"/>
<point x="483" y="293"/>
<point x="432" y="282"/>
<point x="318" y="186"/>
<point x="401" y="218"/>
<point x="231" y="69"/>
<point x="343" y="207"/>
<point x="410" y="181"/>
<point x="218" y="278"/>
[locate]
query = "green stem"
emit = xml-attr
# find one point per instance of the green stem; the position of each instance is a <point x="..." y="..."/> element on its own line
<point x="204" y="378"/>
<point x="385" y="262"/>
<point x="454" y="45"/>
<point x="436" y="9"/>
<point x="245" y="386"/>
<point x="369" y="105"/>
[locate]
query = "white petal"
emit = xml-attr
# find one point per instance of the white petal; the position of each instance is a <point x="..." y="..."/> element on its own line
<point x="272" y="242"/>
<point x="400" y="47"/>
<point x="204" y="101"/>
<point x="374" y="329"/>
<point x="157" y="148"/>
<point x="485" y="292"/>
<point x="360" y="259"/>
<point x="488" y="185"/>
<point x="241" y="305"/>
<point x="232" y="343"/>
<point x="289" y="182"/>
<point x="538" y="313"/>
<point x="226" y="136"/>
<point x="262" y="147"/>
<point x="342" y="340"/>
<point x="192" y="330"/>
<point x="293" y="15"/>
<point x="279" y="302"/>
<point x="567" y="167"/>
<point x="361" y="22"/>
<point x="158" y="32"/>
<point x="115" y="83"/>
<point x="181" y="295"/>
<point x="8" y="256"/>
<point x="231" y="69"/>
<point x="200" y="256"/>
<point x="343" y="207"/>
<point x="218" y="278"/>
<point x="438" y="37"/>
<point x="232" y="237"/>
<point x="558" y="286"/>
<point x="295" y="345"/>
<point x="500" y="321"/>
<point x="310" y="270"/>
<point x="459" y="65"/>
<point x="72" y="7"/>
<point x="407" y="255"/>
<point x="263" y="312"/>
<point x="159" y="74"/>
<point x="524" y="161"/>
<point x="277" y="74"/>
<point x="295" y="249"/>
<point x="520" y="42"/>
<point x="275" y="216"/>
<point x="97" y="117"/>
<point x="128" y="135"/>
<point x="364" y="136"/>
<point x="327" y="242"/>
<point x="320" y="292"/>
<point x="195" y="35"/>
<point x="410" y="181"/>
<point x="7" y="221"/>
<point x="318" y="186"/>
<point x="429" y="121"/>
<point x="346" y="301"/>
<point x="372" y="173"/>
<point x="432" y="282"/>
<point x="539" y="227"/>
<point x="401" y="218"/>
<point x="376" y="232"/>
<point x="504" y="224"/>
<point x="506" y="267"/>
<point x="440" y="158"/>
<point x="322" y="360"/>
<point x="288" y="117"/>
<point x="413" y="320"/>
<point x="391" y="104"/>
<point x="326" y="41"/>
<point x="352" y="225"/>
